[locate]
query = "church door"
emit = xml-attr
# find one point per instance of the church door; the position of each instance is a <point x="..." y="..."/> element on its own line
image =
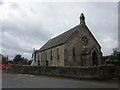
<point x="46" y="62"/>
<point x="94" y="59"/>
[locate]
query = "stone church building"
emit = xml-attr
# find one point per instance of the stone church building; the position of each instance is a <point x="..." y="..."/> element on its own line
<point x="75" y="47"/>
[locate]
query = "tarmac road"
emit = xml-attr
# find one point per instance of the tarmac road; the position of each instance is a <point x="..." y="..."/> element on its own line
<point x="14" y="80"/>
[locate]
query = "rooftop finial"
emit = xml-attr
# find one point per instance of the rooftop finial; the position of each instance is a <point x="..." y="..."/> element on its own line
<point x="82" y="19"/>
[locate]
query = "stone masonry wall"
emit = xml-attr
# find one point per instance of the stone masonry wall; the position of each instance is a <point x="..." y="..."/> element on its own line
<point x="101" y="72"/>
<point x="46" y="55"/>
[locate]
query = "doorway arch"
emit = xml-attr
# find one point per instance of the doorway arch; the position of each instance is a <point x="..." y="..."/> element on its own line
<point x="94" y="59"/>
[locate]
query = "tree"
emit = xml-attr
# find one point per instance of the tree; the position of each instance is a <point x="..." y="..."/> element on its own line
<point x="17" y="58"/>
<point x="115" y="55"/>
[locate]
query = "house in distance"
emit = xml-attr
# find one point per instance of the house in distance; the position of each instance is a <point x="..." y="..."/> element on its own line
<point x="75" y="47"/>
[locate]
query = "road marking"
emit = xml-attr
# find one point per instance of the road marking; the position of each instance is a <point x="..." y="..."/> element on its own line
<point x="26" y="74"/>
<point x="31" y="75"/>
<point x="19" y="74"/>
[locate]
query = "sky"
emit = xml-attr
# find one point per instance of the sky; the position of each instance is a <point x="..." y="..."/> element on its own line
<point x="28" y="24"/>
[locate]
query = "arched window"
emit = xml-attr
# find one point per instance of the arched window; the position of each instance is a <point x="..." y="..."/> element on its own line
<point x="46" y="55"/>
<point x="38" y="60"/>
<point x="51" y="54"/>
<point x="73" y="52"/>
<point x="57" y="53"/>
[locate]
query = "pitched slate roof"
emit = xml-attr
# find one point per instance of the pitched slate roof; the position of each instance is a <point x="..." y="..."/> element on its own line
<point x="59" y="40"/>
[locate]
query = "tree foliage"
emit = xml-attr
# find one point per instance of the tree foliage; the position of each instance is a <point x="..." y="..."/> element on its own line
<point x="115" y="55"/>
<point x="17" y="58"/>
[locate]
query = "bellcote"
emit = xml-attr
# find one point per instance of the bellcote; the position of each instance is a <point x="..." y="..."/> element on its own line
<point x="82" y="19"/>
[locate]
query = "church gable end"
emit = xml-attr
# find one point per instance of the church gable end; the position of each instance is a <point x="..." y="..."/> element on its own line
<point x="84" y="42"/>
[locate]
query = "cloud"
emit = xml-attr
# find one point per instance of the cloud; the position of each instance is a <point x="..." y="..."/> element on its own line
<point x="29" y="25"/>
<point x="13" y="5"/>
<point x="1" y="2"/>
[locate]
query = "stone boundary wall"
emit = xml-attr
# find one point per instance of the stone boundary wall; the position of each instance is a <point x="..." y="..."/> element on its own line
<point x="99" y="72"/>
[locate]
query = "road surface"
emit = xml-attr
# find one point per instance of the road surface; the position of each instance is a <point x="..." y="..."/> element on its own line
<point x="14" y="80"/>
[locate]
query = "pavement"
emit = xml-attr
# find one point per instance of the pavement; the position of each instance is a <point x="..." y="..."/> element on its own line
<point x="14" y="80"/>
